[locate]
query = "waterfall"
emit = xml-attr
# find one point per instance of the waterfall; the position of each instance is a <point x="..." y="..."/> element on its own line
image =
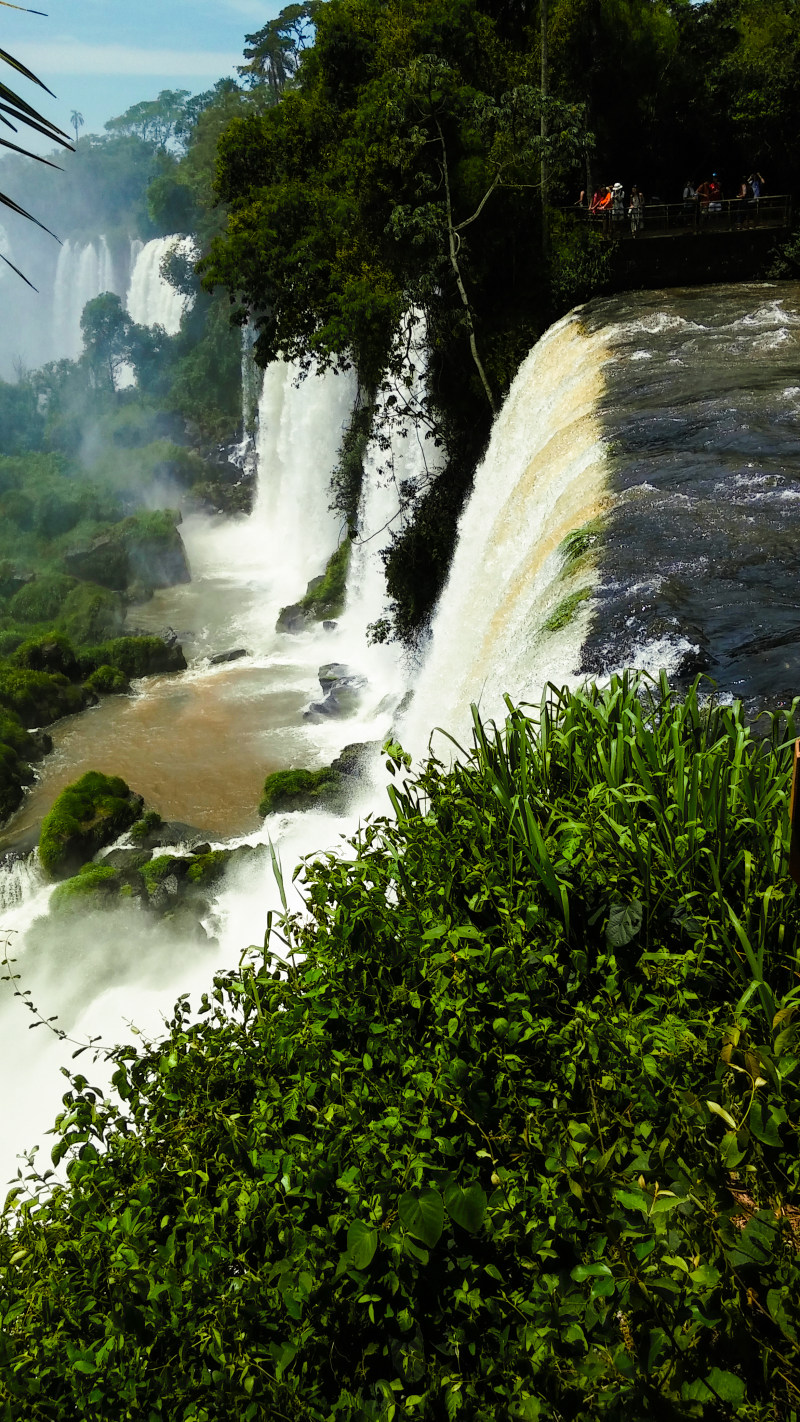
<point x="84" y="270"/>
<point x="542" y="477"/>
<point x="300" y="428"/>
<point x="151" y="301"/>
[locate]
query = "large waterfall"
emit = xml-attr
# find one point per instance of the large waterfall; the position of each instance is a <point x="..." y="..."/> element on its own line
<point x="665" y="420"/>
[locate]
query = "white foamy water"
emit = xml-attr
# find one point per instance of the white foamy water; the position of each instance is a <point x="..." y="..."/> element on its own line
<point x="84" y="271"/>
<point x="542" y="477"/>
<point x="152" y="301"/>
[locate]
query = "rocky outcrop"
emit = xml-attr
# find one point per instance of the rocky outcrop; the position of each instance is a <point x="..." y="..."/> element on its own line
<point x="324" y="598"/>
<point x="86" y="816"/>
<point x="144" y="551"/>
<point x="329" y="787"/>
<point x="341" y="689"/>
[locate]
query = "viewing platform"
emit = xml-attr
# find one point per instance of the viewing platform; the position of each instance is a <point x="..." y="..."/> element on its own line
<point x="681" y="243"/>
<point x="692" y="219"/>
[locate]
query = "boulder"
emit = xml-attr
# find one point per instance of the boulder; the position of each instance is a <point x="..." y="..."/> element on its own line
<point x="85" y="817"/>
<point x="105" y="561"/>
<point x="341" y="688"/>
<point x="233" y="656"/>
<point x="293" y="619"/>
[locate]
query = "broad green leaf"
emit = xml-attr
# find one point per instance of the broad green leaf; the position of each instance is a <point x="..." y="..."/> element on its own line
<point x="422" y="1214"/>
<point x="361" y="1244"/>
<point x="589" y="1271"/>
<point x="624" y="922"/>
<point x="467" y="1207"/>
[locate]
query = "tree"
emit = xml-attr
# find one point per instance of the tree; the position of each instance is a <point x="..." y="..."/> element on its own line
<point x="76" y="120"/>
<point x="274" y="52"/>
<point x="112" y="340"/>
<point x="156" y="120"/>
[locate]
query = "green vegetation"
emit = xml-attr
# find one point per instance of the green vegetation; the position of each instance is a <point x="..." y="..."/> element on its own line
<point x="151" y="820"/>
<point x="505" y="1126"/>
<point x="93" y="882"/>
<point x="566" y="609"/>
<point x="325" y="596"/>
<point x="133" y="656"/>
<point x="87" y="815"/>
<point x="297" y="789"/>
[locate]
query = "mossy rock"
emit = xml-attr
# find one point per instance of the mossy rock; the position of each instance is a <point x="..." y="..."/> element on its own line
<point x="48" y="652"/>
<point x="324" y="597"/>
<point x="41" y="600"/>
<point x="92" y="614"/>
<point x="150" y="821"/>
<point x="298" y="790"/>
<point x="38" y="698"/>
<point x="97" y="882"/>
<point x="86" y="816"/>
<point x="15" y="774"/>
<point x="134" y="656"/>
<point x="107" y="681"/>
<point x="14" y="734"/>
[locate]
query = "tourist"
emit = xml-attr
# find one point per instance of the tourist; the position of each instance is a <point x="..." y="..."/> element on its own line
<point x="636" y="210"/>
<point x="714" y="194"/>
<point x="617" y="203"/>
<point x="757" y="183"/>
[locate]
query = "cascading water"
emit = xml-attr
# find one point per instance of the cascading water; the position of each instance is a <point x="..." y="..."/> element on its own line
<point x="84" y="271"/>
<point x="152" y="301"/>
<point x="694" y="481"/>
<point x="542" y="477"/>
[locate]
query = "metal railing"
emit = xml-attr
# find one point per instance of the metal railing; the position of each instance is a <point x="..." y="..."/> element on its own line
<point x="676" y="219"/>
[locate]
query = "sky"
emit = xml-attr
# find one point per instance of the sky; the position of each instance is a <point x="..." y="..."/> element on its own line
<point x="101" y="56"/>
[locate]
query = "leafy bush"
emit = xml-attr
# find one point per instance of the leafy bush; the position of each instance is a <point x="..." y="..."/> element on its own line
<point x="49" y="652"/>
<point x="95" y="882"/>
<point x="510" y="1129"/>
<point x="326" y="598"/>
<point x="87" y="815"/>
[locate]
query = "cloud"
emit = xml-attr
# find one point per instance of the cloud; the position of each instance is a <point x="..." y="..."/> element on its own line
<point x="69" y="56"/>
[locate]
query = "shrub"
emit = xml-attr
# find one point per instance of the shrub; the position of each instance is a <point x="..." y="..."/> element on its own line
<point x="87" y="815"/>
<point x="151" y="820"/>
<point x="49" y="652"/>
<point x="327" y="598"/>
<point x="505" y="1126"/>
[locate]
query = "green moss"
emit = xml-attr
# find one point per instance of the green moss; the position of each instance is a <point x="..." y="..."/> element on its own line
<point x="108" y="680"/>
<point x="151" y="820"/>
<point x="87" y="815"/>
<point x="97" y="881"/>
<point x="43" y="599"/>
<point x="14" y="734"/>
<point x="157" y="870"/>
<point x="15" y="774"/>
<point x="91" y="614"/>
<point x="208" y="868"/>
<point x="38" y="698"/>
<point x="327" y="599"/>
<point x="575" y="547"/>
<point x="134" y="656"/>
<point x="566" y="610"/>
<point x="297" y="789"/>
<point x="48" y="652"/>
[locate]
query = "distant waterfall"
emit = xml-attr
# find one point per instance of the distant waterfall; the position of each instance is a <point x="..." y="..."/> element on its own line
<point x="541" y="478"/>
<point x="151" y="300"/>
<point x="84" y="270"/>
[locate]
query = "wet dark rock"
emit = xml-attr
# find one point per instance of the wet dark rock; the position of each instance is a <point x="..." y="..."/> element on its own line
<point x="341" y="688"/>
<point x="330" y="624"/>
<point x="221" y="658"/>
<point x="293" y="619"/>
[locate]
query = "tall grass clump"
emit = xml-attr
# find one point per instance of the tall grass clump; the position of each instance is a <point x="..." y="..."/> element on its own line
<point x="504" y="1125"/>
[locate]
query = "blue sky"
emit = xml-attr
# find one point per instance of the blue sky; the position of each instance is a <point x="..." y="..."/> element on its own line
<point x="101" y="56"/>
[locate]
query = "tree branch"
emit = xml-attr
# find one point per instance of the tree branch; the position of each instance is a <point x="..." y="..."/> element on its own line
<point x="462" y="291"/>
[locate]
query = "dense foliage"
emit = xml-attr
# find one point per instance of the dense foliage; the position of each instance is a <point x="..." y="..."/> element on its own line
<point x="504" y="1125"/>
